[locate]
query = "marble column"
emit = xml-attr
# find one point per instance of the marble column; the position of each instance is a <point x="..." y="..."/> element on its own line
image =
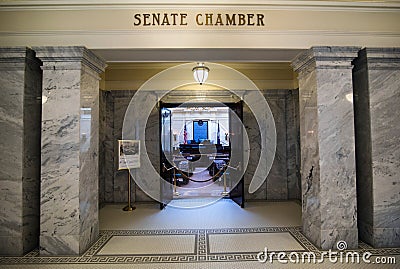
<point x="376" y="78"/>
<point x="69" y="178"/>
<point x="20" y="109"/>
<point x="328" y="172"/>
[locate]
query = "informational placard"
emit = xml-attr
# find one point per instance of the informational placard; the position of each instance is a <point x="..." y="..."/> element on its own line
<point x="129" y="154"/>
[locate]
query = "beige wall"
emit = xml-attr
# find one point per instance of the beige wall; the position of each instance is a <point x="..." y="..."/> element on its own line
<point x="289" y="24"/>
<point x="130" y="76"/>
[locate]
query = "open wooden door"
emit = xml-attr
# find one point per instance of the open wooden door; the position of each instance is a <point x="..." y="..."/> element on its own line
<point x="236" y="158"/>
<point x="166" y="152"/>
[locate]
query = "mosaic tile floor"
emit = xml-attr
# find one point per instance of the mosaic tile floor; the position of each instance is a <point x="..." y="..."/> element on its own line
<point x="199" y="247"/>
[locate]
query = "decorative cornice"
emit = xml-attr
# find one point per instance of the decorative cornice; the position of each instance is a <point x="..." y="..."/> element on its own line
<point x="381" y="58"/>
<point x="67" y="55"/>
<point x="378" y="59"/>
<point x="393" y="34"/>
<point x="17" y="55"/>
<point x="256" y="4"/>
<point x="102" y="39"/>
<point x="325" y="58"/>
<point x="13" y="54"/>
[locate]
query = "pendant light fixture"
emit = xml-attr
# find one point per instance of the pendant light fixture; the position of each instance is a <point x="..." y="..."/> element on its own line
<point x="200" y="73"/>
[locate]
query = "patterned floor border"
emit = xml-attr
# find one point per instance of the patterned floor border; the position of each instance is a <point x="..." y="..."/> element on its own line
<point x="201" y="254"/>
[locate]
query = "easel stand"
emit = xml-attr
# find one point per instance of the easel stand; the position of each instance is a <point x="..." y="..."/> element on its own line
<point x="129" y="207"/>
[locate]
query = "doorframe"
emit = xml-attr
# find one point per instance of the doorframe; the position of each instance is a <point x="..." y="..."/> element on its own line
<point x="162" y="158"/>
<point x="240" y="199"/>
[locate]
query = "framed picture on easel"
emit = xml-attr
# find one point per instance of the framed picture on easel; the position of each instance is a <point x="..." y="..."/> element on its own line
<point x="128" y="154"/>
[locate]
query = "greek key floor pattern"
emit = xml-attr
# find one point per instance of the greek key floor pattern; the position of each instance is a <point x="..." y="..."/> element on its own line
<point x="201" y="251"/>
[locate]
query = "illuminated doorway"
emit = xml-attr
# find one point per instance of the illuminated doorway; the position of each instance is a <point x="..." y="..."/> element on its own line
<point x="196" y="141"/>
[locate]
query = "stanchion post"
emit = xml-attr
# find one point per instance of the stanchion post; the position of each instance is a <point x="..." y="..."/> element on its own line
<point x="129" y="207"/>
<point x="176" y="193"/>
<point x="225" y="193"/>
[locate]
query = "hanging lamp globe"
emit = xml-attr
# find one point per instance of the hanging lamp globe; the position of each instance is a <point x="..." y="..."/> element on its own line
<point x="200" y="73"/>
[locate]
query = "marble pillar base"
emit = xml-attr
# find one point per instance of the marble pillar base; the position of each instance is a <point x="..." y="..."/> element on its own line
<point x="386" y="237"/>
<point x="379" y="237"/>
<point x="69" y="244"/>
<point x="12" y="245"/>
<point x="330" y="238"/>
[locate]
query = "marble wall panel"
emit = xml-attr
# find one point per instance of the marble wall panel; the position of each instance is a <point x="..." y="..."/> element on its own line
<point x="115" y="185"/>
<point x="69" y="176"/>
<point x="109" y="163"/>
<point x="115" y="180"/>
<point x="108" y="172"/>
<point x="153" y="138"/>
<point x="377" y="95"/>
<point x="253" y="133"/>
<point x="293" y="144"/>
<point x="109" y="150"/>
<point x="144" y="178"/>
<point x="327" y="145"/>
<point x="277" y="188"/>
<point x="120" y="177"/>
<point x="102" y="153"/>
<point x="152" y="134"/>
<point x="20" y="80"/>
<point x="141" y="196"/>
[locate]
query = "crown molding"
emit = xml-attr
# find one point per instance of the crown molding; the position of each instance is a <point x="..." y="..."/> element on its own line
<point x="165" y="65"/>
<point x="241" y="32"/>
<point x="133" y="32"/>
<point x="125" y="45"/>
<point x="320" y="5"/>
